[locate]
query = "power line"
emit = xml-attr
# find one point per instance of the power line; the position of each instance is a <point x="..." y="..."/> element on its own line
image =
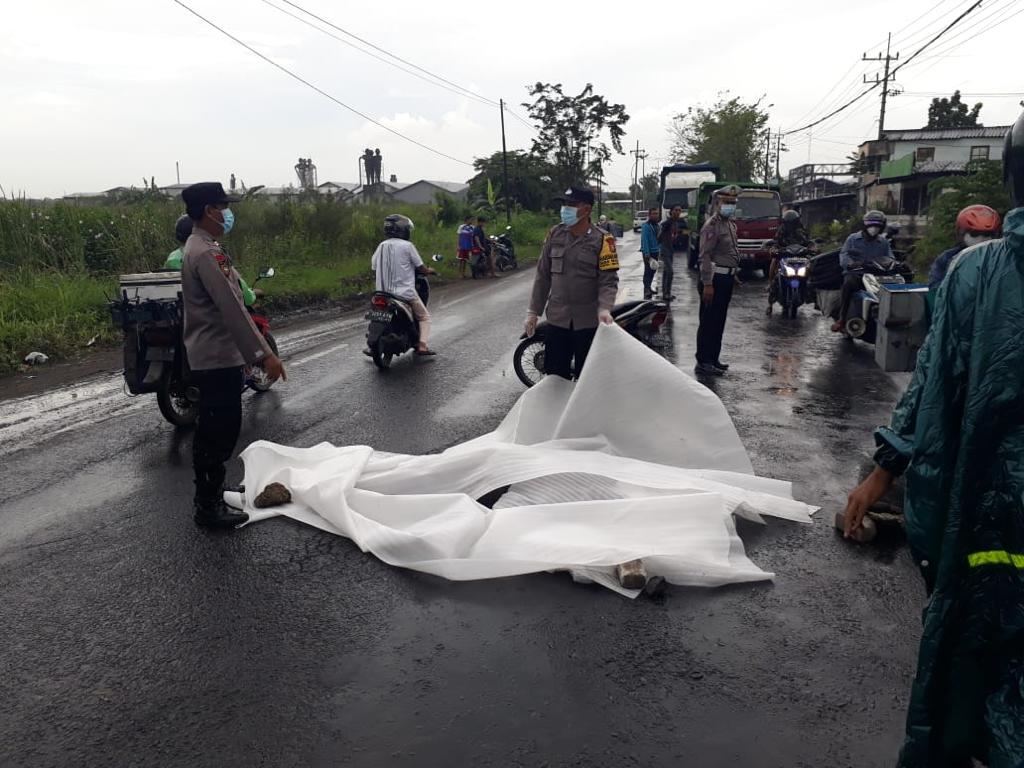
<point x="352" y="45"/>
<point x="317" y="88"/>
<point x="896" y="69"/>
<point x="388" y="53"/>
<point x="992" y="17"/>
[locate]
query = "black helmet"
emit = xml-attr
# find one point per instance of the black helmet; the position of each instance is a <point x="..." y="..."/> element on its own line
<point x="1013" y="162"/>
<point x="397" y="225"/>
<point x="792" y="215"/>
<point x="183" y="228"/>
<point x="874" y="219"/>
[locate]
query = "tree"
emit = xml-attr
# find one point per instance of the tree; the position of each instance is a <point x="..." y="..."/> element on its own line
<point x="530" y="180"/>
<point x="983" y="184"/>
<point x="731" y="134"/>
<point x="650" y="185"/>
<point x="570" y="131"/>
<point x="952" y="113"/>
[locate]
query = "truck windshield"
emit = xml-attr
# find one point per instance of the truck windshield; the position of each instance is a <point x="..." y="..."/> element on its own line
<point x="758" y="207"/>
<point x="674" y="196"/>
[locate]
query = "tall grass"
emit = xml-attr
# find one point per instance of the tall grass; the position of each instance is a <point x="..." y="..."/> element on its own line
<point x="59" y="261"/>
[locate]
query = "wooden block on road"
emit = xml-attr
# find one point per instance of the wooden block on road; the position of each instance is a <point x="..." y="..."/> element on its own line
<point x="632" y="575"/>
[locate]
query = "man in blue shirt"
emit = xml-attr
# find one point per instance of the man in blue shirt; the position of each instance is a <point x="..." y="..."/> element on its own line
<point x="650" y="248"/>
<point x="861" y="249"/>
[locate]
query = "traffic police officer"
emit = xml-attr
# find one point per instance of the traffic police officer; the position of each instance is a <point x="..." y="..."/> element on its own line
<point x="575" y="285"/>
<point x="220" y="338"/>
<point x="719" y="264"/>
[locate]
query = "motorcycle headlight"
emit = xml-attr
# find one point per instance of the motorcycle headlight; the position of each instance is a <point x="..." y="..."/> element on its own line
<point x="802" y="272"/>
<point x="790" y="272"/>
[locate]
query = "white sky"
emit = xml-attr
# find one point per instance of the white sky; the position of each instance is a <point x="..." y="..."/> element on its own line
<point x="103" y="93"/>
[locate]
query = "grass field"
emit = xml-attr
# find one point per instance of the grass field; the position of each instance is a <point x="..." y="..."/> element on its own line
<point x="59" y="262"/>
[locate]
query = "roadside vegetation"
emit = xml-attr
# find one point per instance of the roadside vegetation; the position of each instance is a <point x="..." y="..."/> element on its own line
<point x="59" y="262"/>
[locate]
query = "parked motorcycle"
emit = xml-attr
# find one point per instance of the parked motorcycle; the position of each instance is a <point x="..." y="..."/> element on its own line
<point x="641" y="319"/>
<point x="862" y="318"/>
<point x="504" y="251"/>
<point x="394" y="329"/>
<point x="151" y="315"/>
<point x="791" y="290"/>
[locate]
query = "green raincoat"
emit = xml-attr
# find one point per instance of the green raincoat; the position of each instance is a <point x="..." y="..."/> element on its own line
<point x="958" y="435"/>
<point x="174" y="262"/>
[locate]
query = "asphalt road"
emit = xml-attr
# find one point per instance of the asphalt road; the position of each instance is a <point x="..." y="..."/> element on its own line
<point x="130" y="637"/>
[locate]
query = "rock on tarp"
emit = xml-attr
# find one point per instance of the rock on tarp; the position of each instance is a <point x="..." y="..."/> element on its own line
<point x="635" y="460"/>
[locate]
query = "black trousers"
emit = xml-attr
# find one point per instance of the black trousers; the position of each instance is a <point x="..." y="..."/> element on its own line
<point x="217" y="426"/>
<point x="712" y="318"/>
<point x="648" y="278"/>
<point x="667" y="273"/>
<point x="852" y="283"/>
<point x="565" y="350"/>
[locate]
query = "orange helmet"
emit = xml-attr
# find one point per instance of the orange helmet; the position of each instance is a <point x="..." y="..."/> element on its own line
<point x="978" y="218"/>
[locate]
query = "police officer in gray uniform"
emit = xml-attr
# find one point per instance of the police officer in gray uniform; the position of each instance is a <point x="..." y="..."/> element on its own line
<point x="575" y="286"/>
<point x="719" y="265"/>
<point x="220" y="338"/>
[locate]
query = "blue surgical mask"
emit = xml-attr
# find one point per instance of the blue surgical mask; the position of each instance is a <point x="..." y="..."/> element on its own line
<point x="727" y="210"/>
<point x="229" y="220"/>
<point x="569" y="215"/>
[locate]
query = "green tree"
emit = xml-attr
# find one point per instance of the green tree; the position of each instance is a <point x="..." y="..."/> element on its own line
<point x="952" y="113"/>
<point x="731" y="134"/>
<point x="984" y="185"/>
<point x="571" y="131"/>
<point x="530" y="180"/>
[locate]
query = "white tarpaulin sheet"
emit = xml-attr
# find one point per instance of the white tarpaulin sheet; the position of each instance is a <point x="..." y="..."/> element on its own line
<point x="635" y="460"/>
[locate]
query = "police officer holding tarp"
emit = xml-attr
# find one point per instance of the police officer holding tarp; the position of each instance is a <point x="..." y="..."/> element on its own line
<point x="575" y="285"/>
<point x="220" y="338"/>
<point x="719" y="265"/>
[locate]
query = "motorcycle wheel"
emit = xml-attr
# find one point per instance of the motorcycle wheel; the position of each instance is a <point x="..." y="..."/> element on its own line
<point x="380" y="358"/>
<point x="258" y="378"/>
<point x="176" y="408"/>
<point x="528" y="360"/>
<point x="791" y="308"/>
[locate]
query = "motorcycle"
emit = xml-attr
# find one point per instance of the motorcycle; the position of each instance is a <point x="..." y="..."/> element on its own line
<point x="151" y="315"/>
<point x="862" y="318"/>
<point x="504" y="251"/>
<point x="641" y="319"/>
<point x="790" y="289"/>
<point x="394" y="329"/>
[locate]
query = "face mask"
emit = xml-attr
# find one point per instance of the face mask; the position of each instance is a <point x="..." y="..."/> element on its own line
<point x="873" y="231"/>
<point x="569" y="215"/>
<point x="970" y="239"/>
<point x="229" y="220"/>
<point x="727" y="210"/>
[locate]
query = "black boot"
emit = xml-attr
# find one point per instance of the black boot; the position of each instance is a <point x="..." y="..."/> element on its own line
<point x="214" y="513"/>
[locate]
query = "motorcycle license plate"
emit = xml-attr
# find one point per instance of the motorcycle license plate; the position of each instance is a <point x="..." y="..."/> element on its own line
<point x="379" y="316"/>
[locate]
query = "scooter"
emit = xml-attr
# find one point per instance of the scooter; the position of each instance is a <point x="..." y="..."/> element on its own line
<point x="791" y="289"/>
<point x="394" y="329"/>
<point x="641" y="319"/>
<point x="862" y="319"/>
<point x="504" y="251"/>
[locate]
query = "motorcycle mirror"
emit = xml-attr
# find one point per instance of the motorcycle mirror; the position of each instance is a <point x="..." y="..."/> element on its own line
<point x="437" y="257"/>
<point x="268" y="272"/>
<point x="819" y="240"/>
<point x="508" y="228"/>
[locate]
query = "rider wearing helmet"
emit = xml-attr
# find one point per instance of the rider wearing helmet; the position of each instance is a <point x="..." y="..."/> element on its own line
<point x="790" y="232"/>
<point x="957" y="436"/>
<point x="182" y="230"/>
<point x="396" y="263"/>
<point x="861" y="249"/>
<point x="974" y="224"/>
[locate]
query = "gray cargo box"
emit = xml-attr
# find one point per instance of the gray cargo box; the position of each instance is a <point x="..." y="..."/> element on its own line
<point x="902" y="326"/>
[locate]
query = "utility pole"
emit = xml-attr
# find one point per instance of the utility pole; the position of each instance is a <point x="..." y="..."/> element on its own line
<point x="504" y="166"/>
<point x="177" y="171"/>
<point x="884" y="81"/>
<point x="636" y="167"/>
<point x="778" y="155"/>
<point x="767" y="154"/>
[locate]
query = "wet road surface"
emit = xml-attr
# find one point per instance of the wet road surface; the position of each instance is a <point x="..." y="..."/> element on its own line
<point x="131" y="637"/>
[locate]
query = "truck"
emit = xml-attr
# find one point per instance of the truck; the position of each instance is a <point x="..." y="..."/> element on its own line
<point x="758" y="217"/>
<point x="679" y="182"/>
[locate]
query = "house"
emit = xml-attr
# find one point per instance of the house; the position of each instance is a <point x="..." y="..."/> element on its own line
<point x="896" y="169"/>
<point x="336" y="188"/>
<point x="425" y="191"/>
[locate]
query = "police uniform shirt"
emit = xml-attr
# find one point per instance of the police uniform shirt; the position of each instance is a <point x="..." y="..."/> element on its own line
<point x="218" y="330"/>
<point x="576" y="277"/>
<point x="718" y="247"/>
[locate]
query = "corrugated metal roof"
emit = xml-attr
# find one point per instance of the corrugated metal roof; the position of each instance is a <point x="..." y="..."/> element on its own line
<point x="938" y="134"/>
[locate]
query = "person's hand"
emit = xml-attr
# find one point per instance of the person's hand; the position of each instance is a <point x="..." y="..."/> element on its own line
<point x="431" y="271"/>
<point x="274" y="368"/>
<point x="709" y="294"/>
<point x="531" y="324"/>
<point x="736" y="279"/>
<point x="863" y="497"/>
<point x="257" y="292"/>
<point x="604" y="317"/>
